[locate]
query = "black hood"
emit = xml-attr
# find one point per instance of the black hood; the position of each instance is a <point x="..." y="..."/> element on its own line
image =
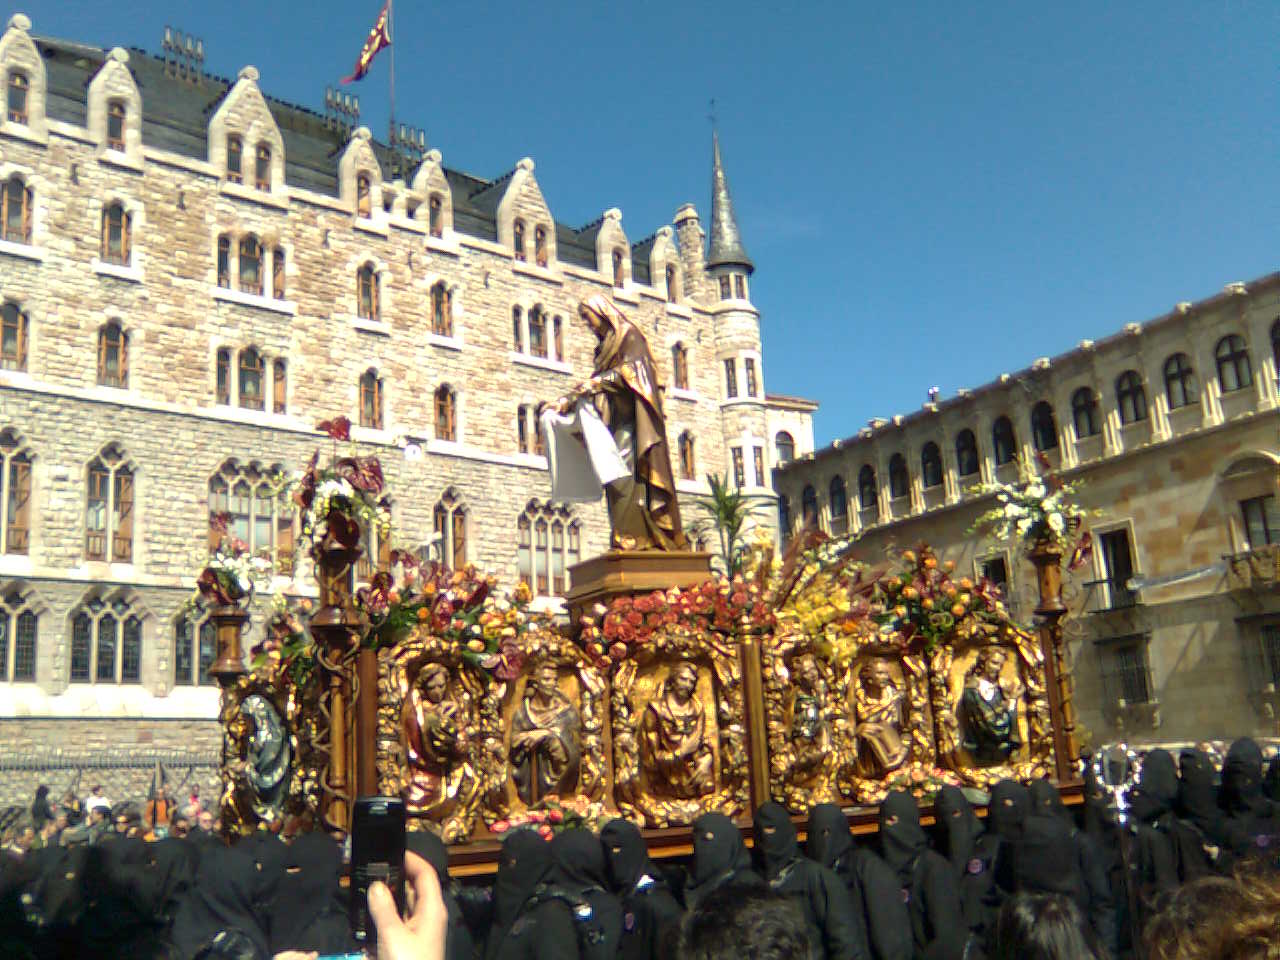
<point x="579" y="858"/>
<point x="431" y="849"/>
<point x="902" y="839"/>
<point x="1046" y="800"/>
<point x="1008" y="810"/>
<point x="829" y="835"/>
<point x="958" y="826"/>
<point x="717" y="849"/>
<point x="1271" y="785"/>
<point x="1045" y="858"/>
<point x="775" y="838"/>
<point x="626" y="854"/>
<point x="1241" y="791"/>
<point x="1197" y="795"/>
<point x="525" y="861"/>
<point x="222" y="899"/>
<point x="1156" y="792"/>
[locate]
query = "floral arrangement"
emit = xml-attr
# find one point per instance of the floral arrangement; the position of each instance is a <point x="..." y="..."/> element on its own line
<point x="231" y="572"/>
<point x="820" y="590"/>
<point x="714" y="606"/>
<point x="286" y="640"/>
<point x="1034" y="511"/>
<point x="921" y="780"/>
<point x="554" y="815"/>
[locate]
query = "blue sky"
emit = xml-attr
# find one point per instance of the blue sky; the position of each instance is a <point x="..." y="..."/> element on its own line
<point x="933" y="193"/>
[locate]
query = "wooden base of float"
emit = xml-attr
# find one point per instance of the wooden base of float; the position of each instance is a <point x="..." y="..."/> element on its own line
<point x="601" y="579"/>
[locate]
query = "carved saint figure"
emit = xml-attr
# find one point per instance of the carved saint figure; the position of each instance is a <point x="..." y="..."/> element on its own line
<point x="810" y="729"/>
<point x="545" y="739"/>
<point x="434" y="726"/>
<point x="643" y="511"/>
<point x="878" y="704"/>
<point x="989" y="710"/>
<point x="268" y="756"/>
<point x="674" y="748"/>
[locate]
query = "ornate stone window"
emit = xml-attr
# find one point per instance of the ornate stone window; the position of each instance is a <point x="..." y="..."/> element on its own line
<point x="688" y="460"/>
<point x="1234" y="370"/>
<point x="441" y="311"/>
<point x="279" y="386"/>
<point x="19" y="637"/>
<point x="262" y="167"/>
<point x="371" y="399"/>
<point x="753" y="382"/>
<point x="899" y="477"/>
<point x="673" y="285"/>
<point x="108" y="524"/>
<point x="250" y="265"/>
<point x="550" y="542"/>
<point x="1131" y="397"/>
<point x="809" y="506"/>
<point x="116" y="235"/>
<point x="195" y="647"/>
<point x="15" y="331"/>
<point x="517" y="240"/>
<point x="1003" y="441"/>
<point x="435" y="215"/>
<point x="930" y="465"/>
<point x="235" y="160"/>
<point x="1084" y="413"/>
<point x="243" y="501"/>
<point x="529" y="430"/>
<point x="1180" y="382"/>
<point x="115" y="125"/>
<point x="1044" y="429"/>
<point x="537" y="332"/>
<point x="106" y="642"/>
<point x="449" y="520"/>
<point x="540" y="245"/>
<point x="17" y="203"/>
<point x="446" y="408"/>
<point x="868" y="495"/>
<point x="113" y="355"/>
<point x="223" y="388"/>
<point x="784" y="447"/>
<point x="251" y="377"/>
<point x="15" y="494"/>
<point x="19" y="89"/>
<point x="966" y="453"/>
<point x="367" y="298"/>
<point x="224" y="261"/>
<point x="839" y="500"/>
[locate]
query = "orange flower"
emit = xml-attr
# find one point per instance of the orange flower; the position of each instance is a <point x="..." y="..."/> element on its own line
<point x="423" y="614"/>
<point x="958" y="611"/>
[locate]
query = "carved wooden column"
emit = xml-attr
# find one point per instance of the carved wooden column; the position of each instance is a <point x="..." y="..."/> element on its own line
<point x="228" y="621"/>
<point x="1047" y="558"/>
<point x="753" y="708"/>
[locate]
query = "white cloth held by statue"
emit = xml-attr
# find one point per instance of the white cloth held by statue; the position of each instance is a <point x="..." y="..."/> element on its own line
<point x="581" y="454"/>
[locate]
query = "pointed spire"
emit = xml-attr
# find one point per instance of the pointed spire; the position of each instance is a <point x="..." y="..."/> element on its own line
<point x="726" y="241"/>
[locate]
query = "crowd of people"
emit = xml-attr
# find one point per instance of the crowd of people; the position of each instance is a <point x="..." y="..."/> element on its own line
<point x="1184" y="870"/>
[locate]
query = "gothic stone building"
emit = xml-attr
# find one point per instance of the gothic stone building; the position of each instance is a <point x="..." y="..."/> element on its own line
<point x="1170" y="426"/>
<point x="192" y="275"/>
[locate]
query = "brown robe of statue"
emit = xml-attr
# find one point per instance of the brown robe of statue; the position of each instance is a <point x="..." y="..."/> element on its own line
<point x="644" y="513"/>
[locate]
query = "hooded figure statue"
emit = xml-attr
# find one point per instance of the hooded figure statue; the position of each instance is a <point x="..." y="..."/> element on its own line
<point x="650" y="914"/>
<point x="834" y="924"/>
<point x="929" y="886"/>
<point x="720" y="858"/>
<point x="527" y="925"/>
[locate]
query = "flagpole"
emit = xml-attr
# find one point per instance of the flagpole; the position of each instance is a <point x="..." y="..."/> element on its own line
<point x="392" y="44"/>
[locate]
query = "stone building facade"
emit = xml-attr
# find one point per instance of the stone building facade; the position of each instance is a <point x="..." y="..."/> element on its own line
<point x="193" y="275"/>
<point x="1171" y="428"/>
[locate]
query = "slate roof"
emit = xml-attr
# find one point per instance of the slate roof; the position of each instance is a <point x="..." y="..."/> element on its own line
<point x="726" y="241"/>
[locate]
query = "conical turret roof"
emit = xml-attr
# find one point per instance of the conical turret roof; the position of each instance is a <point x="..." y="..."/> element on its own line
<point x="726" y="241"/>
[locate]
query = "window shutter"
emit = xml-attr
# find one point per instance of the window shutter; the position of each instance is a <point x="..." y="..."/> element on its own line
<point x="28" y="201"/>
<point x="278" y="386"/>
<point x="126" y="235"/>
<point x="459" y="539"/>
<point x="122" y="535"/>
<point x="95" y="514"/>
<point x="124" y="359"/>
<point x="104" y="247"/>
<point x="102" y="355"/>
<point x="19" y="504"/>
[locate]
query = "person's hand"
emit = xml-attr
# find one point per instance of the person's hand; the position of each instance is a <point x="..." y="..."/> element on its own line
<point x="421" y="936"/>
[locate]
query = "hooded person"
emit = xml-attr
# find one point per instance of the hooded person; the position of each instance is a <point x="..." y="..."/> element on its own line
<point x="458" y="944"/>
<point x="834" y="924"/>
<point x="41" y="809"/>
<point x="221" y="899"/>
<point x="1007" y="812"/>
<point x="1271" y="784"/>
<point x="307" y="913"/>
<point x="580" y="873"/>
<point x="527" y="924"/>
<point x="972" y="858"/>
<point x="1154" y="857"/>
<point x="650" y="912"/>
<point x="929" y="887"/>
<point x="720" y="858"/>
<point x="1250" y="825"/>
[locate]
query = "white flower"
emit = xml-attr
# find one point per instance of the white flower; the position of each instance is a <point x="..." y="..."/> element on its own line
<point x="1036" y="491"/>
<point x="1024" y="525"/>
<point x="1056" y="523"/>
<point x="1013" y="511"/>
<point x="334" y="487"/>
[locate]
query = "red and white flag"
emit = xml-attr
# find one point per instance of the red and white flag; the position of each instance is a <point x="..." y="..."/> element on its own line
<point x="379" y="37"/>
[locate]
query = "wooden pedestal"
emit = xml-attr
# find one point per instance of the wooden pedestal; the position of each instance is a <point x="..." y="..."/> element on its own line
<point x="618" y="572"/>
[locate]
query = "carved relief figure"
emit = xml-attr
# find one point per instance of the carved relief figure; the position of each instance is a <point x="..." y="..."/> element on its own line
<point x="434" y="727"/>
<point x="268" y="756"/>
<point x="988" y="710"/>
<point x="675" y="751"/>
<point x="810" y="730"/>
<point x="545" y="739"/>
<point x="878" y="704"/>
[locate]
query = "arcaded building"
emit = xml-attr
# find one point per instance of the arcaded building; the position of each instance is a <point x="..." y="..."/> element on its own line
<point x="192" y="275"/>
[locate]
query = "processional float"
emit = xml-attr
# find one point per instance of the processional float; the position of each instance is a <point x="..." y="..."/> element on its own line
<point x="666" y="693"/>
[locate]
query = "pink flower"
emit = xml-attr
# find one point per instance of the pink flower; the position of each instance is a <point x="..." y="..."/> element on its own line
<point x="500" y="826"/>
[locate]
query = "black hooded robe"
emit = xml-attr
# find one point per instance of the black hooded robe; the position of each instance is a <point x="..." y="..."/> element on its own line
<point x="1250" y="828"/>
<point x="959" y="836"/>
<point x="459" y="944"/>
<point x="719" y="858"/>
<point x="222" y="898"/>
<point x="930" y="888"/>
<point x="650" y="913"/>
<point x="527" y="925"/>
<point x="580" y="872"/>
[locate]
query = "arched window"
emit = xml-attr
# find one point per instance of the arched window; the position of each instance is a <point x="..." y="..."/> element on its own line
<point x="839" y="501"/>
<point x="364" y="196"/>
<point x="809" y="506"/>
<point x="1180" y="382"/>
<point x="115" y="234"/>
<point x="250" y="265"/>
<point x="262" y="167"/>
<point x="680" y="366"/>
<point x="517" y="329"/>
<point x="868" y="495"/>
<point x="115" y="126"/>
<point x="244" y="504"/>
<point x="109" y="507"/>
<point x="195" y="647"/>
<point x="673" y="285"/>
<point x="550" y="542"/>
<point x="106" y="643"/>
<point x="1084" y="413"/>
<point x="966" y="453"/>
<point x="784" y="516"/>
<point x="619" y="278"/>
<point x="371" y="399"/>
<point x="1003" y="442"/>
<point x="441" y="311"/>
<point x="537" y="332"/>
<point x="517" y="240"/>
<point x="224" y="261"/>
<point x="450" y="522"/>
<point x="688" y="463"/>
<point x="367" y="305"/>
<point x="784" y="446"/>
<point x="435" y="215"/>
<point x="15" y="495"/>
<point x="113" y="356"/>
<point x="16" y="202"/>
<point x="1131" y="397"/>
<point x="16" y="99"/>
<point x="235" y="160"/>
<point x="279" y="386"/>
<point x="223" y="387"/>
<point x="14" y="331"/>
<point x="446" y="414"/>
<point x="899" y="478"/>
<point x="277" y="274"/>
<point x="1044" y="428"/>
<point x="18" y="638"/>
<point x="931" y="465"/>
<point x="540" y="245"/>
<point x="251" y="374"/>
<point x="557" y="337"/>
<point x="1234" y="370"/>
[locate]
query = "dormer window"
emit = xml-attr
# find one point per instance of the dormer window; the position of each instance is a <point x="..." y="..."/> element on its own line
<point x="364" y="196"/>
<point x="726" y="290"/>
<point x="16" y="108"/>
<point x="540" y="246"/>
<point x="618" y="278"/>
<point x="673" y="285"/>
<point x="435" y="215"/>
<point x="517" y="239"/>
<point x="115" y="126"/>
<point x="262" y="168"/>
<point x="235" y="157"/>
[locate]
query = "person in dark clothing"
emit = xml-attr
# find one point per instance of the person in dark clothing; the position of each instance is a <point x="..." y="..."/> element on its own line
<point x="459" y="944"/>
<point x="221" y="899"/>
<point x="1007" y="811"/>
<point x="307" y="910"/>
<point x="527" y="925"/>
<point x="972" y="858"/>
<point x="1271" y="785"/>
<point x="928" y="884"/>
<point x="1154" y="852"/>
<point x="834" y="924"/>
<point x="719" y="857"/>
<point x="580" y="872"/>
<point x="41" y="809"/>
<point x="650" y="913"/>
<point x="1198" y="811"/>
<point x="1250" y="826"/>
<point x="734" y="922"/>
<point x="872" y="885"/>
